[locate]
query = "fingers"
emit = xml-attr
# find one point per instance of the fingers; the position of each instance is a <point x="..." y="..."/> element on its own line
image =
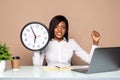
<point x="95" y="33"/>
<point x="95" y="37"/>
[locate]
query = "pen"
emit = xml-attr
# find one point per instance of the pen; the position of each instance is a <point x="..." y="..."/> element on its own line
<point x="57" y="66"/>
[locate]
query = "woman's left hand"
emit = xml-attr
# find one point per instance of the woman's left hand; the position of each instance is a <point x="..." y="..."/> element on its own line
<point x="96" y="37"/>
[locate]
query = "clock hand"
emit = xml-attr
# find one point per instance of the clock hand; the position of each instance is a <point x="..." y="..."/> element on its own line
<point x="34" y="40"/>
<point x="34" y="35"/>
<point x="33" y="31"/>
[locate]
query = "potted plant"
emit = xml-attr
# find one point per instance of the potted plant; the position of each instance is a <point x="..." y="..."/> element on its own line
<point x="4" y="56"/>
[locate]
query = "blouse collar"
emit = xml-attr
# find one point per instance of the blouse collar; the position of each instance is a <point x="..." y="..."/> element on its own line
<point x="64" y="39"/>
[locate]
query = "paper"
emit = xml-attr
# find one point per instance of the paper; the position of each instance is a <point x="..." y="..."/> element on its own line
<point x="49" y="68"/>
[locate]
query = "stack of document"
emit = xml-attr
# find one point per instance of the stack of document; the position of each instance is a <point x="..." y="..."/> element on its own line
<point x="52" y="68"/>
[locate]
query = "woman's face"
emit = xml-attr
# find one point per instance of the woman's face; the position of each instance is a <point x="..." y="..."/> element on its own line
<point x="59" y="31"/>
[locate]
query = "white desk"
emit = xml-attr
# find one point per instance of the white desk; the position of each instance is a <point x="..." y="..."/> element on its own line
<point x="36" y="73"/>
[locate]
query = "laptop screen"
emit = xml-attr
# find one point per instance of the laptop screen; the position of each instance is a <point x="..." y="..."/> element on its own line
<point x="105" y="59"/>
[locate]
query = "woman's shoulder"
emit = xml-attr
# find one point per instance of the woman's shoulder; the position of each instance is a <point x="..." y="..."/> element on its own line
<point x="71" y="41"/>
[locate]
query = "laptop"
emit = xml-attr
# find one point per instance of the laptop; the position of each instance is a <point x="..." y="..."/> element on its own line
<point x="103" y="60"/>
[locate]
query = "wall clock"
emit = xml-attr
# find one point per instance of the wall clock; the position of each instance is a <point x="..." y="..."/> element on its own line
<point x="34" y="36"/>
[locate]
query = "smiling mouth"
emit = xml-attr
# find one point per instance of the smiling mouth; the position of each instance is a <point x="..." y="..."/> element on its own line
<point x="59" y="34"/>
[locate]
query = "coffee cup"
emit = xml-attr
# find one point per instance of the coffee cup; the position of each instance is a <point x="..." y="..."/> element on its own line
<point x="15" y="63"/>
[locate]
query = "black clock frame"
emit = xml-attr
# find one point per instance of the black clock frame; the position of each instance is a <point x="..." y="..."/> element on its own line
<point x="34" y="22"/>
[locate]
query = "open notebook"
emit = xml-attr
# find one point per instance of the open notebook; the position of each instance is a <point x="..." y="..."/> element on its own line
<point x="103" y="60"/>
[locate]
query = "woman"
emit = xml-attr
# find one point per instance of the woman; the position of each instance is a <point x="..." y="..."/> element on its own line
<point x="60" y="50"/>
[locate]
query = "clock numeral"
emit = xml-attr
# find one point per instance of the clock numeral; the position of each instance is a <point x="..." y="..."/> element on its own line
<point x="45" y="38"/>
<point x="37" y="26"/>
<point x="28" y="30"/>
<point x="25" y="39"/>
<point x="29" y="44"/>
<point x="33" y="46"/>
<point x="41" y="28"/>
<point x="25" y="34"/>
<point x="43" y="42"/>
<point x="38" y="46"/>
<point x="44" y="32"/>
<point x="31" y="26"/>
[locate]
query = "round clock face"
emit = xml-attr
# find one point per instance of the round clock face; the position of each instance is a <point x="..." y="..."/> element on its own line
<point x="34" y="36"/>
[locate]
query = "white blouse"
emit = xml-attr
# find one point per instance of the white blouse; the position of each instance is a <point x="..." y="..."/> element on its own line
<point x="60" y="53"/>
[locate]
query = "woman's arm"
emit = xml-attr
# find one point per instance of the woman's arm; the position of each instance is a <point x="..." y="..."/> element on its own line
<point x="38" y="58"/>
<point x="82" y="54"/>
<point x="75" y="61"/>
<point x="96" y="37"/>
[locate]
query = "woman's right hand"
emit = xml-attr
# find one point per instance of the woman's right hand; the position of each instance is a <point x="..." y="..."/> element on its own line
<point x="96" y="37"/>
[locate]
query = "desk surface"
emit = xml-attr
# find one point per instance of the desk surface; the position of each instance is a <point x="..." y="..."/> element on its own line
<point x="36" y="72"/>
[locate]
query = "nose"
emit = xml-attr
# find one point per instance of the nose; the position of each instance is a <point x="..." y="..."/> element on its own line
<point x="59" y="28"/>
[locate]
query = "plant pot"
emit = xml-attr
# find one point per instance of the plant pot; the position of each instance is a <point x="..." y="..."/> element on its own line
<point x="2" y="66"/>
